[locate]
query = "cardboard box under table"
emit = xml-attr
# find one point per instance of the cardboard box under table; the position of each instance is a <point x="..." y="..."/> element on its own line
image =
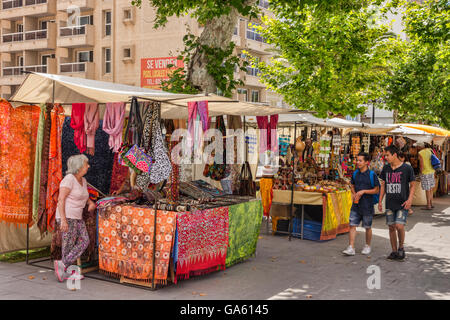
<point x="335" y="209"/>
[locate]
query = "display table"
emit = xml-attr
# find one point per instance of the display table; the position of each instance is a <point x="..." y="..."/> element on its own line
<point x="335" y="206"/>
<point x="186" y="243"/>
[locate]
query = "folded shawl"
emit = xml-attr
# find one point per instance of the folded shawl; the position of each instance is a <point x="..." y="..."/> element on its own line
<point x="113" y="123"/>
<point x="91" y="123"/>
<point x="77" y="124"/>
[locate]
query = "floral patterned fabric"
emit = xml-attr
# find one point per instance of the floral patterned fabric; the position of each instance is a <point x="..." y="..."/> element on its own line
<point x="18" y="132"/>
<point x="126" y="242"/>
<point x="245" y="224"/>
<point x="202" y="241"/>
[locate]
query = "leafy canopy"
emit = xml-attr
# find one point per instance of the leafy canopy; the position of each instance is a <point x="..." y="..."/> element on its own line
<point x="419" y="86"/>
<point x="332" y="57"/>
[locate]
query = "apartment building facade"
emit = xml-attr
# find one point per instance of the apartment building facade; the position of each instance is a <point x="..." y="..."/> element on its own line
<point x="107" y="40"/>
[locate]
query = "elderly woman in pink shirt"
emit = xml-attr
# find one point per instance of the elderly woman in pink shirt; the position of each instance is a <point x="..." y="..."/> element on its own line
<point x="73" y="197"/>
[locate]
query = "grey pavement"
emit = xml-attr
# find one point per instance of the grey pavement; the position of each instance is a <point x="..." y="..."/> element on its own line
<point x="282" y="269"/>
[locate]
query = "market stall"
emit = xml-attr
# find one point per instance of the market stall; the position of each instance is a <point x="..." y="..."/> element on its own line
<point x="172" y="227"/>
<point x="407" y="137"/>
<point x="316" y="160"/>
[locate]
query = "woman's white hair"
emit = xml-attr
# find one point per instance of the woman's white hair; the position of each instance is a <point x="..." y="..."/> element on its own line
<point x="75" y="163"/>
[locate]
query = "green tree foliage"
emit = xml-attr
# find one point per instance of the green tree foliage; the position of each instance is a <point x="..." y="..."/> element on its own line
<point x="333" y="55"/>
<point x="419" y="87"/>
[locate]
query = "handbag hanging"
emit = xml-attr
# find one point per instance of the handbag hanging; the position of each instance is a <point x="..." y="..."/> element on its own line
<point x="247" y="186"/>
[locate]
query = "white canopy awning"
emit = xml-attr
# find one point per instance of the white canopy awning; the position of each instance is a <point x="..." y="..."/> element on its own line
<point x="42" y="88"/>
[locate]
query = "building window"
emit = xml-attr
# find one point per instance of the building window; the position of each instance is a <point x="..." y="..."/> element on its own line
<point x="19" y="27"/>
<point x="252" y="34"/>
<point x="255" y="96"/>
<point x="107" y="60"/>
<point x="253" y="71"/>
<point x="263" y="4"/>
<point x="84" y="20"/>
<point x="107" y="23"/>
<point x="127" y="53"/>
<point x="85" y="56"/>
<point x="127" y="15"/>
<point x="243" y="92"/>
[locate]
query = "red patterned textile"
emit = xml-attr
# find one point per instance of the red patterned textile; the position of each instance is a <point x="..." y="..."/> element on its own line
<point x="202" y="241"/>
<point x="119" y="174"/>
<point x="54" y="165"/>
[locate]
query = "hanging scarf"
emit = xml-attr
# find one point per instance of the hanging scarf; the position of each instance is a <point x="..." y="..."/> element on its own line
<point x="268" y="138"/>
<point x="198" y="113"/>
<point x="18" y="131"/>
<point x="113" y="123"/>
<point x="91" y="122"/>
<point x="42" y="210"/>
<point x="37" y="162"/>
<point x="135" y="126"/>
<point x="55" y="165"/>
<point x="77" y="124"/>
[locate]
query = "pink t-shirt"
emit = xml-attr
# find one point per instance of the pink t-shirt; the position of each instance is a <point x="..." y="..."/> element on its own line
<point x="77" y="198"/>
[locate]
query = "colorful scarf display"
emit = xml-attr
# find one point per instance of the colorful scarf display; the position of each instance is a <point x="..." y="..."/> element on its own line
<point x="266" y="187"/>
<point x="91" y="123"/>
<point x="336" y="214"/>
<point x="54" y="165"/>
<point x="18" y="132"/>
<point x="244" y="225"/>
<point x="202" y="241"/>
<point x="126" y="242"/>
<point x="113" y="123"/>
<point x="77" y="124"/>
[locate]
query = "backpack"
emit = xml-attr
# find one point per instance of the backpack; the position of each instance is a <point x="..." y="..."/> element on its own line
<point x="435" y="163"/>
<point x="376" y="197"/>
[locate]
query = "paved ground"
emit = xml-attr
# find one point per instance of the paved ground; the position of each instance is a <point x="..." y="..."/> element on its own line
<point x="286" y="270"/>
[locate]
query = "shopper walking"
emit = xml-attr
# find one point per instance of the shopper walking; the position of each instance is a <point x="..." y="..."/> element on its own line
<point x="398" y="183"/>
<point x="73" y="197"/>
<point x="365" y="188"/>
<point x="426" y="173"/>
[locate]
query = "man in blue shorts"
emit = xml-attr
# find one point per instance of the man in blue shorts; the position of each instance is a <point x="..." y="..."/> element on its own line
<point x="364" y="186"/>
<point x="398" y="184"/>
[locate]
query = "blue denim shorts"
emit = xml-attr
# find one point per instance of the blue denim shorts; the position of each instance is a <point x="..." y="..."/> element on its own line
<point x="356" y="218"/>
<point x="396" y="217"/>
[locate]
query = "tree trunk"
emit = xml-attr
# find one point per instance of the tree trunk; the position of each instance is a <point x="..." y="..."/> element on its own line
<point x="217" y="33"/>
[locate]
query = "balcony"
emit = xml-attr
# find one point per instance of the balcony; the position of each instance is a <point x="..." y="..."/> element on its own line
<point x="30" y="40"/>
<point x="77" y="36"/>
<point x="19" y="8"/>
<point x="80" y="69"/>
<point x="84" y="5"/>
<point x="12" y="76"/>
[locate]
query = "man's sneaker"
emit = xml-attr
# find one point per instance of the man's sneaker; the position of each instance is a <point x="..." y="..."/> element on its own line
<point x="366" y="250"/>
<point x="401" y="254"/>
<point x="59" y="270"/>
<point x="392" y="256"/>
<point x="350" y="251"/>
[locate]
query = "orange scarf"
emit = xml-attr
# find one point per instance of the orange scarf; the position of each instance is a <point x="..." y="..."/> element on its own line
<point x="18" y="133"/>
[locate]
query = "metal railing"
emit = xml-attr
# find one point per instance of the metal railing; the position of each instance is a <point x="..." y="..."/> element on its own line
<point x="72" y="31"/>
<point x="18" y="71"/>
<point x="72" y="67"/>
<point x="29" y="35"/>
<point x="11" y="4"/>
<point x="12" y="37"/>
